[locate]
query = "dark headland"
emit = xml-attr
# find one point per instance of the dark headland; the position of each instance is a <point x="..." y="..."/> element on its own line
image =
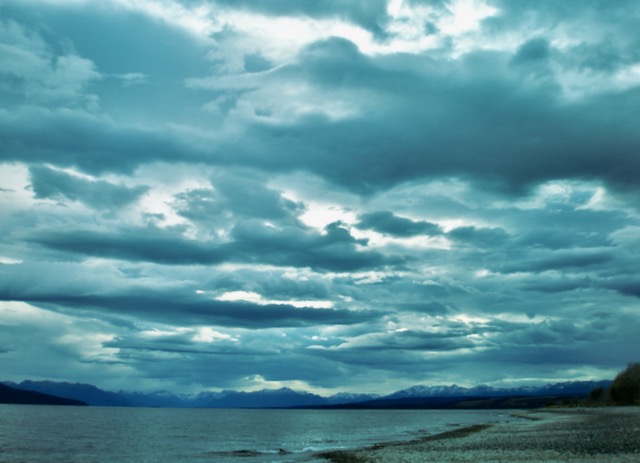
<point x="10" y="395"/>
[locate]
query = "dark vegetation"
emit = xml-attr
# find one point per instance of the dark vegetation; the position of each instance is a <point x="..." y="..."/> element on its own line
<point x="624" y="390"/>
<point x="10" y="395"/>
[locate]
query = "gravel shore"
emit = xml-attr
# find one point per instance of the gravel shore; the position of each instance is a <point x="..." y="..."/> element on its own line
<point x="594" y="435"/>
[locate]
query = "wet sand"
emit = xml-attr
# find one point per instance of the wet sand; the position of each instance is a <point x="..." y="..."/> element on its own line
<point x="594" y="435"/>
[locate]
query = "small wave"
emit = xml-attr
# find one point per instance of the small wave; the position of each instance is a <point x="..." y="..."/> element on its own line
<point x="315" y="448"/>
<point x="247" y="453"/>
<point x="235" y="453"/>
<point x="324" y="441"/>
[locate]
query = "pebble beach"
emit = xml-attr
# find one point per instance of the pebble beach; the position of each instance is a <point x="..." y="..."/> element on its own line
<point x="594" y="435"/>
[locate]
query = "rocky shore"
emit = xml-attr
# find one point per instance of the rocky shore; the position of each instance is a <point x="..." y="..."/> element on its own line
<point x="594" y="435"/>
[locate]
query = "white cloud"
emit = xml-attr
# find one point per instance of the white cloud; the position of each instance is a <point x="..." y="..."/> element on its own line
<point x="250" y="296"/>
<point x="67" y="346"/>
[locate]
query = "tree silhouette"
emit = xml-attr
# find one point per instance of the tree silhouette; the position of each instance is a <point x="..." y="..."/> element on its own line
<point x="625" y="389"/>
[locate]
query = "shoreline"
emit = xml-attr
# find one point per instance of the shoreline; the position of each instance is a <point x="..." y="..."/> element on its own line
<point x="587" y="435"/>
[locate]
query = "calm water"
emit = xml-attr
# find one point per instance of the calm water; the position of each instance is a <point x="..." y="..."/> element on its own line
<point x="39" y="434"/>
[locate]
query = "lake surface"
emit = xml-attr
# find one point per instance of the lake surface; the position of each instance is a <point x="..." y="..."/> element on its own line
<point x="39" y="434"/>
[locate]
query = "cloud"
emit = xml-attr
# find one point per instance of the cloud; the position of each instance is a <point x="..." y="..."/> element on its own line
<point x="576" y="260"/>
<point x="335" y="250"/>
<point x="252" y="242"/>
<point x="250" y="198"/>
<point x="349" y="195"/>
<point x="52" y="184"/>
<point x="388" y="223"/>
<point x="182" y="304"/>
<point x="479" y="237"/>
<point x="535" y="135"/>
<point x="90" y="143"/>
<point x="39" y="74"/>
<point x="370" y="15"/>
<point x="65" y="347"/>
<point x="408" y="340"/>
<point x="145" y="244"/>
<point x="429" y="137"/>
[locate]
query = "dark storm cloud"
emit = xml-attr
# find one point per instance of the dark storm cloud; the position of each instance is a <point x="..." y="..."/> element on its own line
<point x="180" y="344"/>
<point x="144" y="44"/>
<point x="273" y="285"/>
<point x="236" y="197"/>
<point x="335" y="250"/>
<point x="556" y="237"/>
<point x="52" y="184"/>
<point x="434" y="112"/>
<point x="248" y="197"/>
<point x="91" y="143"/>
<point x="609" y="44"/>
<point x="397" y="351"/>
<point x="412" y="340"/>
<point x="388" y="223"/>
<point x="370" y="14"/>
<point x="432" y="308"/>
<point x="172" y="308"/>
<point x="525" y="347"/>
<point x="200" y="205"/>
<point x="564" y="226"/>
<point x="179" y="305"/>
<point x="253" y="242"/>
<point x="228" y="363"/>
<point x="564" y="342"/>
<point x="558" y="285"/>
<point x="135" y="244"/>
<point x="627" y="286"/>
<point x="480" y="237"/>
<point x="577" y="260"/>
<point x="438" y="120"/>
<point x="534" y="50"/>
<point x="249" y="164"/>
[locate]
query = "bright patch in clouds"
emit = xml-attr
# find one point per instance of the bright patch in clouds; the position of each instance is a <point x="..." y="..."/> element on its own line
<point x="466" y="16"/>
<point x="319" y="215"/>
<point x="249" y="296"/>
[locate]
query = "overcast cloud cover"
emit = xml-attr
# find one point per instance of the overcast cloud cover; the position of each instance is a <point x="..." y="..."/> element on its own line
<point x="326" y="195"/>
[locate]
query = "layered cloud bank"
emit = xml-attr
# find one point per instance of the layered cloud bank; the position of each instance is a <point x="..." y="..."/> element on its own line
<point x="319" y="195"/>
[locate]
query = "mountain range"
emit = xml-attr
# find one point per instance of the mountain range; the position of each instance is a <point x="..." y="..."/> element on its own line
<point x="438" y="396"/>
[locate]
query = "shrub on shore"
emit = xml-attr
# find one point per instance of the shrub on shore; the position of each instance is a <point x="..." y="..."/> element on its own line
<point x="625" y="389"/>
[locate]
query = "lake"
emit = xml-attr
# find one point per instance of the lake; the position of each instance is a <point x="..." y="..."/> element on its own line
<point x="39" y="434"/>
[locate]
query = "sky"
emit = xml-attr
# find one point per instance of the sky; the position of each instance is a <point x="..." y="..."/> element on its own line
<point x="331" y="196"/>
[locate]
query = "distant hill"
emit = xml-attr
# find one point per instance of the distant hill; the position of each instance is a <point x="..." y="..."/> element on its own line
<point x="456" y="402"/>
<point x="415" y="397"/>
<point x="268" y="398"/>
<point x="480" y="397"/>
<point x="83" y="392"/>
<point x="10" y="395"/>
